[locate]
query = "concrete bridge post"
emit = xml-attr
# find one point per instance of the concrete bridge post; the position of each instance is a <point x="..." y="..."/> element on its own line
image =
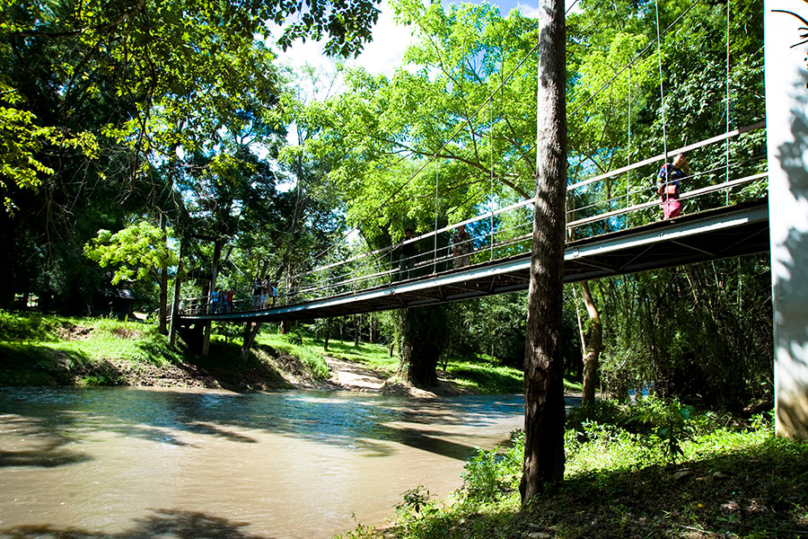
<point x="787" y="131"/>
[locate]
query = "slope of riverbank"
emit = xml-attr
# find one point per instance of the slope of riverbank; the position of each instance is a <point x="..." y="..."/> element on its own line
<point x="59" y="351"/>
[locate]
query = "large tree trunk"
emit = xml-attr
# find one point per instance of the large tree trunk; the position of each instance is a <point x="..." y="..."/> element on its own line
<point x="592" y="357"/>
<point x="544" y="363"/>
<point x="423" y="332"/>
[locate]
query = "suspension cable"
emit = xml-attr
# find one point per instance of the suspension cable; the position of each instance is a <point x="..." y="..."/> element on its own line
<point x="661" y="90"/>
<point x="726" y="158"/>
<point x="628" y="163"/>
<point x="450" y="139"/>
<point x="437" y="199"/>
<point x="491" y="222"/>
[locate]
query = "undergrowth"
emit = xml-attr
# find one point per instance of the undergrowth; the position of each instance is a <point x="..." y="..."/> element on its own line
<point x="729" y="477"/>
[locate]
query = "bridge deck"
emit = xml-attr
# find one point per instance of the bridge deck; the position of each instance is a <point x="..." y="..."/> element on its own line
<point x="726" y="232"/>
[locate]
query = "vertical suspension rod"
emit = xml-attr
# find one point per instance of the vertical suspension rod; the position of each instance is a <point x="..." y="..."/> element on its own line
<point x="492" y="177"/>
<point x="726" y="156"/>
<point x="661" y="85"/>
<point x="437" y="199"/>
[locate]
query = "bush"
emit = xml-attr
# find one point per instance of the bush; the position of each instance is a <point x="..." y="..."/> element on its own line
<point x="17" y="327"/>
<point x="491" y="474"/>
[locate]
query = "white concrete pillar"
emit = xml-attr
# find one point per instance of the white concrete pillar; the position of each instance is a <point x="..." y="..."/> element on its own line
<point x="787" y="131"/>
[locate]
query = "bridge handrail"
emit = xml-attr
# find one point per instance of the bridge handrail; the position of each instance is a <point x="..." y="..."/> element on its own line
<point x="375" y="262"/>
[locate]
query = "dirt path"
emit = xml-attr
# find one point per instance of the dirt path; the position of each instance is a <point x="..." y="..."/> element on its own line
<point x="349" y="376"/>
<point x="353" y="377"/>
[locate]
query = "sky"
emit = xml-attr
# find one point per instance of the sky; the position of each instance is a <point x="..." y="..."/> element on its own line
<point x="385" y="52"/>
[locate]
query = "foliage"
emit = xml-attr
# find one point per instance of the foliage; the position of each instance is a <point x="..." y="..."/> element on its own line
<point x="702" y="333"/>
<point x="33" y="327"/>
<point x="490" y="475"/>
<point x="138" y="251"/>
<point x="21" y="141"/>
<point x="417" y="501"/>
<point x="735" y="476"/>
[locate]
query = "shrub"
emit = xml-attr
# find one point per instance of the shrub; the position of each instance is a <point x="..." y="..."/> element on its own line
<point x="16" y="327"/>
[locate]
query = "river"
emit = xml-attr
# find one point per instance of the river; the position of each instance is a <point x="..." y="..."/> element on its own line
<point x="131" y="462"/>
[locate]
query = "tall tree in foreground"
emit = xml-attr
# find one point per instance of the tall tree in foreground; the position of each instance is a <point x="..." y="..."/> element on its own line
<point x="544" y="365"/>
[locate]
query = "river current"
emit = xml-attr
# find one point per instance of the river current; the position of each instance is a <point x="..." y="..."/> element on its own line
<point x="130" y="462"/>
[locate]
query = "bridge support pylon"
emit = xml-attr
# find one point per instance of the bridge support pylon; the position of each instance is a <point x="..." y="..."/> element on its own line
<point x="787" y="131"/>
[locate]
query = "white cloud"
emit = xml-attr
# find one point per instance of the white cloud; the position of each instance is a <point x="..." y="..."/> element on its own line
<point x="380" y="56"/>
<point x="532" y="10"/>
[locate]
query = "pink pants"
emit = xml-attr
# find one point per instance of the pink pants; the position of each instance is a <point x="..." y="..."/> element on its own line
<point x="671" y="208"/>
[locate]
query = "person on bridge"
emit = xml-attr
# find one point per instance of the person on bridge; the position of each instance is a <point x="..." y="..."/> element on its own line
<point x="668" y="186"/>
<point x="265" y="294"/>
<point x="405" y="257"/>
<point x="256" y="297"/>
<point x="228" y="300"/>
<point x="214" y="301"/>
<point x="273" y="293"/>
<point x="460" y="246"/>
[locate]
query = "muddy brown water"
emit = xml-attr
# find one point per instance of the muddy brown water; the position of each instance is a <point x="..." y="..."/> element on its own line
<point x="126" y="462"/>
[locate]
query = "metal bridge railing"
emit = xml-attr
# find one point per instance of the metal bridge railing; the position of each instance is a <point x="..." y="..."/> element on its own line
<point x="594" y="207"/>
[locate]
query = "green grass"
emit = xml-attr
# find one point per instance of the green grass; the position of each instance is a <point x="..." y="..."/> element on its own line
<point x="308" y="355"/>
<point x="733" y="479"/>
<point x="373" y="356"/>
<point x="477" y="376"/>
<point x="38" y="350"/>
<point x="484" y="377"/>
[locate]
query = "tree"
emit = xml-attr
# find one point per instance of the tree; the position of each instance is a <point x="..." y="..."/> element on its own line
<point x="591" y="363"/>
<point x="381" y="133"/>
<point x="544" y="369"/>
<point x="138" y="252"/>
<point x="99" y="96"/>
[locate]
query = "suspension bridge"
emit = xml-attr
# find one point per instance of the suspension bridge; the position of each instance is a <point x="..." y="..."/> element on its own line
<point x="604" y="240"/>
<point x="725" y="215"/>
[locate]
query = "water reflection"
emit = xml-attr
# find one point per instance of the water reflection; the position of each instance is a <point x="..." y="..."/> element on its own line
<point x="291" y="464"/>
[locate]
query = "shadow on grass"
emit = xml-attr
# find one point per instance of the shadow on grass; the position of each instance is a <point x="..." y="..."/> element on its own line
<point x="41" y="365"/>
<point x="485" y="377"/>
<point x="163" y="523"/>
<point x="760" y="492"/>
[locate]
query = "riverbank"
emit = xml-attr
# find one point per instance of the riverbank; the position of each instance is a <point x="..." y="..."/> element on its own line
<point x="728" y="477"/>
<point x="60" y="351"/>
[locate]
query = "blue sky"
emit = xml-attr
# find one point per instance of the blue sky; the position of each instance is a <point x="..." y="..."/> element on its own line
<point x="389" y="42"/>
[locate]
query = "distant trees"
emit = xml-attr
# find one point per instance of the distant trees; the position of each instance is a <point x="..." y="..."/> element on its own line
<point x="99" y="100"/>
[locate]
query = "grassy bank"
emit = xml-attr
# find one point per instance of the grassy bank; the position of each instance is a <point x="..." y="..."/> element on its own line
<point x="629" y="476"/>
<point x="37" y="350"/>
<point x="40" y="350"/>
<point x="43" y="350"/>
<point x="479" y="376"/>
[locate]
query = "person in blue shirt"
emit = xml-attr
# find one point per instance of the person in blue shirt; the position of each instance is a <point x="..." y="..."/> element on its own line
<point x="668" y="186"/>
